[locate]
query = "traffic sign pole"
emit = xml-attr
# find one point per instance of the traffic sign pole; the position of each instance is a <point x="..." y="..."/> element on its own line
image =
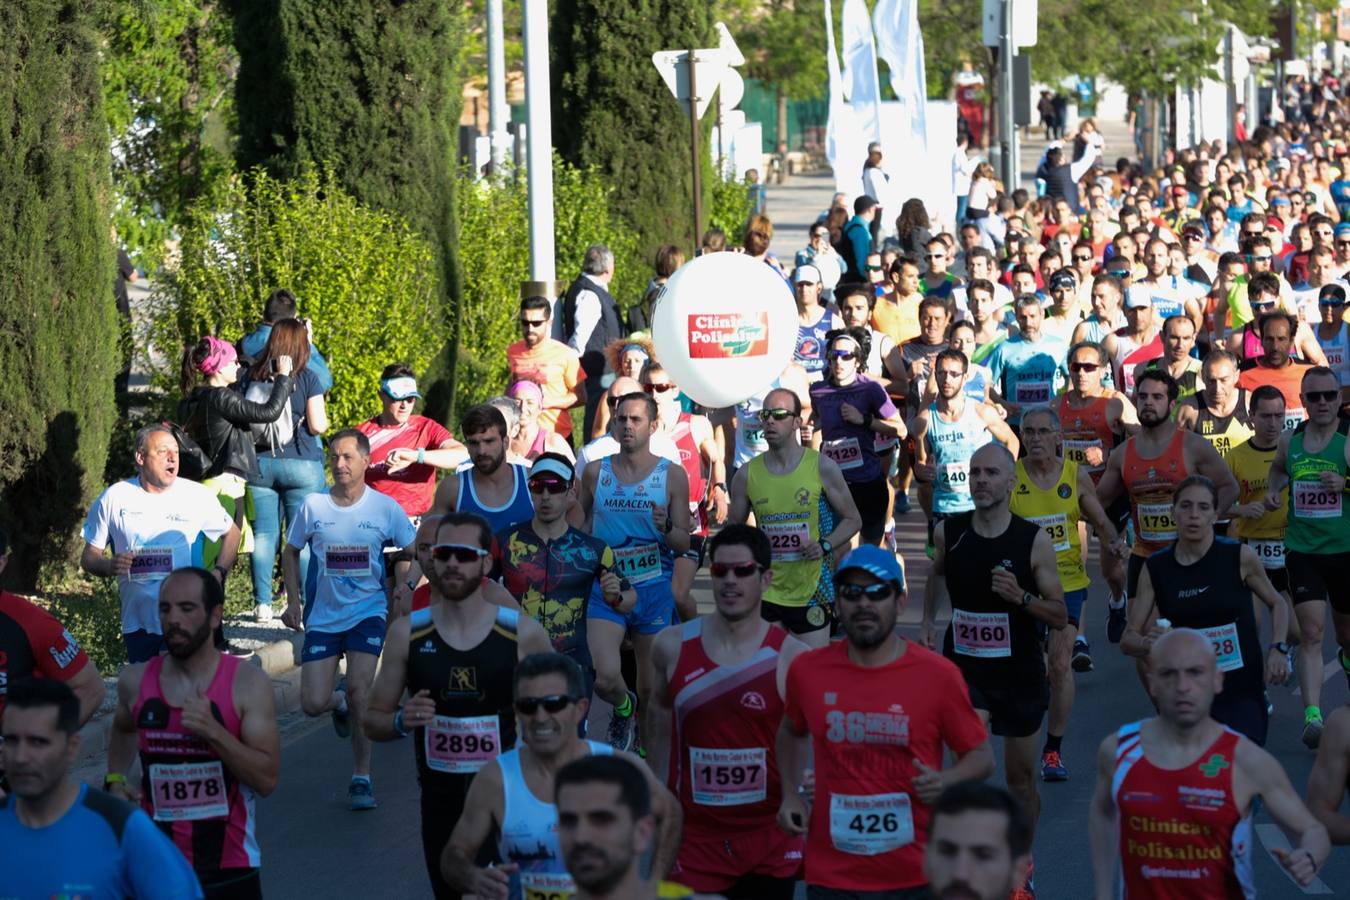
<point x="694" y="148"/>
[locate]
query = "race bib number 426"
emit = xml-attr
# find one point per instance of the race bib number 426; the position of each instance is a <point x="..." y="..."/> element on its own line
<point x="870" y="825"/>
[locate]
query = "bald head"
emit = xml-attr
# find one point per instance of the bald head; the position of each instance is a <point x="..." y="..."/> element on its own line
<point x="1182" y="647"/>
<point x="426" y="539"/>
<point x="991" y="477"/>
<point x="995" y="455"/>
<point x="624" y="385"/>
<point x="1183" y="677"/>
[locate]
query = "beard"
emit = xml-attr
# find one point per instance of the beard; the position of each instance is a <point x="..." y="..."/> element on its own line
<point x="486" y="465"/>
<point x="1152" y="419"/>
<point x="195" y="640"/>
<point x="454" y="586"/>
<point x="869" y="631"/>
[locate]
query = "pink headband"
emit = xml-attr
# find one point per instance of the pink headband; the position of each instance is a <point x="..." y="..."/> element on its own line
<point x="525" y="386"/>
<point x="221" y="355"/>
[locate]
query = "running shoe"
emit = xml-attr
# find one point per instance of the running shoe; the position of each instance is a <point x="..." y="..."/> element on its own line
<point x="929" y="550"/>
<point x="1115" y="622"/>
<point x="623" y="729"/>
<point x="342" y="716"/>
<point x="1312" y="728"/>
<point x="1082" y="655"/>
<point x="230" y="648"/>
<point x="1053" y="768"/>
<point x="901" y="504"/>
<point x="360" y="795"/>
<point x="262" y="612"/>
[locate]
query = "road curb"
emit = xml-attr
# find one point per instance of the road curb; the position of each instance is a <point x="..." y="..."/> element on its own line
<point x="279" y="659"/>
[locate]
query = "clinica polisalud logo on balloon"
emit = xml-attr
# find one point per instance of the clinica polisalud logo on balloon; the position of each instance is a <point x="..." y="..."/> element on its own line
<point x="728" y="336"/>
<point x="724" y="328"/>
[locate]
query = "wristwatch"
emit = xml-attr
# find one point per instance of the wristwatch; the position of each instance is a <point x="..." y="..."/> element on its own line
<point x="826" y="546"/>
<point x="1280" y="646"/>
<point x="1027" y="599"/>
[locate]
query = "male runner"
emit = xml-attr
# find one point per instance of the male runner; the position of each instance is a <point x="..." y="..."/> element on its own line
<point x="1057" y="494"/>
<point x="61" y="838"/>
<point x="1000" y="573"/>
<point x="1333" y="336"/>
<point x="455" y="661"/>
<point x="801" y="501"/>
<point x="718" y="689"/>
<point x="607" y="828"/>
<point x="1218" y="412"/>
<point x="206" y="729"/>
<point x="1312" y="462"/>
<point x="1147" y="468"/>
<point x="557" y="569"/>
<point x="705" y="465"/>
<point x="637" y="503"/>
<point x="814" y="320"/>
<point x="493" y="488"/>
<point x="1206" y="583"/>
<point x="878" y="751"/>
<point x="1028" y="369"/>
<point x="1171" y="814"/>
<point x="1170" y="296"/>
<point x="346" y="528"/>
<point x="1178" y="340"/>
<point x="1277" y="367"/>
<point x="979" y="843"/>
<point x="1330" y="777"/>
<point x="1094" y="419"/>
<point x="510" y="797"/>
<point x="946" y="433"/>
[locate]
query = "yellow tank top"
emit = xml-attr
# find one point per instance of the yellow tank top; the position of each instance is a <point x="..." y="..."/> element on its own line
<point x="1056" y="510"/>
<point x="1251" y="468"/>
<point x="792" y="511"/>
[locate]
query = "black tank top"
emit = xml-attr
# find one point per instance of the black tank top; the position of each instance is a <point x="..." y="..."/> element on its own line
<point x="1209" y="595"/>
<point x="465" y="685"/>
<point x="990" y="639"/>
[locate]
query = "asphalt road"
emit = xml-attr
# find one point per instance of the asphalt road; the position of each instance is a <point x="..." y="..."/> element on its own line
<point x="312" y="845"/>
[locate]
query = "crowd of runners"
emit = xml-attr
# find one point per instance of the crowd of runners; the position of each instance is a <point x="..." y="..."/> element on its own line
<point x="1151" y="363"/>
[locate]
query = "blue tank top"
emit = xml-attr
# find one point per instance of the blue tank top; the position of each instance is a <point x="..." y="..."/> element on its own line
<point x="810" y="352"/>
<point x="517" y="509"/>
<point x="951" y="445"/>
<point x="622" y="517"/>
<point x="977" y="379"/>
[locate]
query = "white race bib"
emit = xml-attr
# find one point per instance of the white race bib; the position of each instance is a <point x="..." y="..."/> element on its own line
<point x="151" y="563"/>
<point x="1057" y="526"/>
<point x="1032" y="393"/>
<point x="845" y="452"/>
<point x="1224" y="639"/>
<point x="870" y="825"/>
<point x="954" y="477"/>
<point x="639" y="563"/>
<point x="1312" y="501"/>
<point x="187" y="792"/>
<point x="1271" y="553"/>
<point x="983" y="635"/>
<point x="1294" y="417"/>
<point x="462" y="746"/>
<point x="721" y="777"/>
<point x="346" y="560"/>
<point x="1155" y="522"/>
<point x="547" y="886"/>
<point x="1077" y="451"/>
<point x="787" y="539"/>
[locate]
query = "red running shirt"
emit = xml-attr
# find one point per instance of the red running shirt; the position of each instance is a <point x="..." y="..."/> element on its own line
<point x="1150" y="483"/>
<point x="1084" y="427"/>
<point x="868" y="725"/>
<point x="1182" y="836"/>
<point x="33" y="642"/>
<point x="692" y="461"/>
<point x="414" y="487"/>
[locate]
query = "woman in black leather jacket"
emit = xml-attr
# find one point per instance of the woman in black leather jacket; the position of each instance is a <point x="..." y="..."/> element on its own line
<point x="218" y="418"/>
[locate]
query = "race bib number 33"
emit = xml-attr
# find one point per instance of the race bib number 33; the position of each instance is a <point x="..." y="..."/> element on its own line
<point x="870" y="825"/>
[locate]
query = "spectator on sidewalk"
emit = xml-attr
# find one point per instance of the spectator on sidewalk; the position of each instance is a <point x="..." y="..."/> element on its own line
<point x="282" y="305"/>
<point x="588" y="319"/>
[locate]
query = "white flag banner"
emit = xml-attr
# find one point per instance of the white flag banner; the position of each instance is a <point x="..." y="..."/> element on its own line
<point x="845" y="144"/>
<point x="862" y="87"/>
<point x="900" y="43"/>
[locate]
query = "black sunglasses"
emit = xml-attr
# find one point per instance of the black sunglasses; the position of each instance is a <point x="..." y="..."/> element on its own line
<point x="874" y="592"/>
<point x="742" y="570"/>
<point x="1083" y="258"/>
<point x="843" y="354"/>
<point x="554" y="703"/>
<point x="658" y="388"/>
<point x="777" y="415"/>
<point x="461" y="552"/>
<point x="533" y="323"/>
<point x="547" y="486"/>
<point x="1322" y="396"/>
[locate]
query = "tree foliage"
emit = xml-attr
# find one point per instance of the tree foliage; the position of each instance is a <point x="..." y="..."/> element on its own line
<point x="363" y="277"/>
<point x="59" y="350"/>
<point x="370" y="88"/>
<point x="168" y="83"/>
<point x="783" y="42"/>
<point x="612" y="112"/>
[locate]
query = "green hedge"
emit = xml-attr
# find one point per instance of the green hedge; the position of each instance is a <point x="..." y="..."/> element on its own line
<point x="367" y="281"/>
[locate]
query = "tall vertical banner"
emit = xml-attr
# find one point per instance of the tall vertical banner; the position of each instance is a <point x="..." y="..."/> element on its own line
<point x="862" y="87"/>
<point x="900" y="43"/>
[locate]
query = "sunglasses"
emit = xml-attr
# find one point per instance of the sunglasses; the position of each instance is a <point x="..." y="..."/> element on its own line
<point x="1263" y="305"/>
<point x="1082" y="258"/>
<point x="658" y="388"/>
<point x="777" y="415"/>
<point x="874" y="592"/>
<point x="461" y="553"/>
<point x="1331" y="301"/>
<point x="554" y="703"/>
<point x="843" y="354"/>
<point x="611" y="402"/>
<point x="741" y="570"/>
<point x="548" y="486"/>
<point x="1340" y="243"/>
<point x="533" y="323"/>
<point x="874" y="268"/>
<point x="1192" y="236"/>
<point x="1083" y="367"/>
<point x="1321" y="396"/>
<point x="935" y="256"/>
<point x="1259" y="258"/>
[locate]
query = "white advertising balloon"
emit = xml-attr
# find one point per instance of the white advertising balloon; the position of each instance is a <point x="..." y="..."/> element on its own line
<point x="724" y="328"/>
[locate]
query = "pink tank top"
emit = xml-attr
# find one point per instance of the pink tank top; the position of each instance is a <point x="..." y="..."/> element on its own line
<point x="186" y="788"/>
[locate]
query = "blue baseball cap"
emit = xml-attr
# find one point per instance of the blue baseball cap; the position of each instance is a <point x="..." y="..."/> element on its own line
<point x="874" y="561"/>
<point x="1342" y="229"/>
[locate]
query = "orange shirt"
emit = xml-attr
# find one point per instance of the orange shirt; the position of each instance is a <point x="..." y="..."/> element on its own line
<point x="899" y="320"/>
<point x="557" y="368"/>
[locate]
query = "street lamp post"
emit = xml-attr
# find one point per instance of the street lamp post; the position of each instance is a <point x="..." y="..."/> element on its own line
<point x="539" y="150"/>
<point x="497" y="111"/>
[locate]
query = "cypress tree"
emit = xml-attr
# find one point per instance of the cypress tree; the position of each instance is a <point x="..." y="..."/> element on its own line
<point x="370" y="88"/>
<point x="611" y="110"/>
<point x="59" y="351"/>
